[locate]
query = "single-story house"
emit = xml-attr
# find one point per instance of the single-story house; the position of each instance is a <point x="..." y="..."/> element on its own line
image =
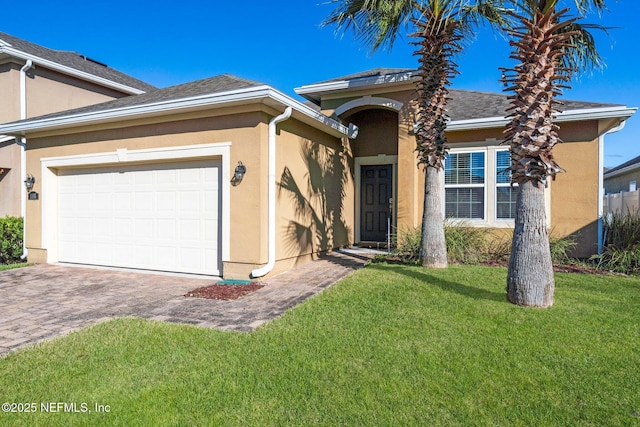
<point x="226" y="176"/>
<point x="624" y="177"/>
<point x="622" y="188"/>
<point x="35" y="80"/>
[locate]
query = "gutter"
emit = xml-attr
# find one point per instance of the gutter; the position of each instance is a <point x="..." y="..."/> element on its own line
<point x="257" y="94"/>
<point x="619" y="127"/>
<point x="22" y="142"/>
<point x="271" y="259"/>
<point x="564" y="116"/>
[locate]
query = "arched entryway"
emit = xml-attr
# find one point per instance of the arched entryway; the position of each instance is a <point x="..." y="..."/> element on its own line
<point x="375" y="153"/>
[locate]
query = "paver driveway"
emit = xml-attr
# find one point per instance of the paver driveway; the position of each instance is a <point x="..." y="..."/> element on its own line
<point x="44" y="301"/>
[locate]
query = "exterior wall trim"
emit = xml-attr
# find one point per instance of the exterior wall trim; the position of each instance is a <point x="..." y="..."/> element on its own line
<point x="258" y="95"/>
<point x="49" y="183"/>
<point x="369" y="100"/>
<point x="565" y="116"/>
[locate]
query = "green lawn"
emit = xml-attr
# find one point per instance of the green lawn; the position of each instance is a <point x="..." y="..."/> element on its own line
<point x="12" y="266"/>
<point x="390" y="345"/>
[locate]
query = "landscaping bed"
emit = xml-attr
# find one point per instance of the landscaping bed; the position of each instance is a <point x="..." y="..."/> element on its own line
<point x="223" y="291"/>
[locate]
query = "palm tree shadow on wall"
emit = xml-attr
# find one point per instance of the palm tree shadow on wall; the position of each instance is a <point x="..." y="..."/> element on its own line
<point x="317" y="197"/>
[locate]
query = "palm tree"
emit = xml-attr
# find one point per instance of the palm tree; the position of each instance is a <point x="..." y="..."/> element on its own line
<point x="548" y="46"/>
<point x="440" y="29"/>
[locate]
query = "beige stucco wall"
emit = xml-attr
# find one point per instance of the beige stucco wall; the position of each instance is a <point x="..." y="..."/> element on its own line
<point x="10" y="185"/>
<point x="50" y="92"/>
<point x="10" y="90"/>
<point x="574" y="194"/>
<point x="319" y="164"/>
<point x="46" y="92"/>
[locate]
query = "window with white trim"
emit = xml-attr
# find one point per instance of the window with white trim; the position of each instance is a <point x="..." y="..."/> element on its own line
<point x="506" y="193"/>
<point x="464" y="179"/>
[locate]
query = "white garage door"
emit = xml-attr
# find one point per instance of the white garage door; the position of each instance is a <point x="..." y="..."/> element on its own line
<point x="158" y="217"/>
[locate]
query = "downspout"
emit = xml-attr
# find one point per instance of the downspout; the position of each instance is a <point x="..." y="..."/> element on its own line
<point x="22" y="142"/>
<point x="271" y="231"/>
<point x="601" y="182"/>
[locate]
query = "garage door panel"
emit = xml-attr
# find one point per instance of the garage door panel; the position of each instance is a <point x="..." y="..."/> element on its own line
<point x="159" y="217"/>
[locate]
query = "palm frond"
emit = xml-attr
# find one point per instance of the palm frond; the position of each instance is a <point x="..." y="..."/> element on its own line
<point x="492" y="11"/>
<point x="583" y="54"/>
<point x="376" y="23"/>
<point x="585" y="6"/>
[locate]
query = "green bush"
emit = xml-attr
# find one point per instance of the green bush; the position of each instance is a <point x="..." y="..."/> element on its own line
<point x="465" y="244"/>
<point x="473" y="245"/>
<point x="622" y="231"/>
<point x="621" y="252"/>
<point x="11" y="234"/>
<point x="408" y="245"/>
<point x="560" y="248"/>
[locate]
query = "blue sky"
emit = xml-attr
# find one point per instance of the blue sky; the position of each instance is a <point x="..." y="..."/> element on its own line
<point x="282" y="44"/>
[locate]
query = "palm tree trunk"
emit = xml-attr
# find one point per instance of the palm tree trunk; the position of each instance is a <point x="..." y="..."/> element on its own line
<point x="530" y="279"/>
<point x="434" y="249"/>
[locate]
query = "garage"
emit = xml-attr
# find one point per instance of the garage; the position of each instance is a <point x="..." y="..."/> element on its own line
<point x="161" y="216"/>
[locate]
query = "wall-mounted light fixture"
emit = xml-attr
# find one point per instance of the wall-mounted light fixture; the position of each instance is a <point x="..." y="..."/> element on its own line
<point x="238" y="174"/>
<point x="29" y="182"/>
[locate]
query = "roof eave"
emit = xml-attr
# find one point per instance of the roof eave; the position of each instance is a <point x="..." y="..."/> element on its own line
<point x="627" y="169"/>
<point x="313" y="92"/>
<point x="70" y="71"/>
<point x="256" y="94"/>
<point x="618" y="111"/>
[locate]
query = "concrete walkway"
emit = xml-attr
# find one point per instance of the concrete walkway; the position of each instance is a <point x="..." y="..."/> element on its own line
<point x="44" y="301"/>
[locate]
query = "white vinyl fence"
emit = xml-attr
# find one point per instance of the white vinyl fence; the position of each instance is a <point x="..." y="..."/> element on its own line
<point x="625" y="202"/>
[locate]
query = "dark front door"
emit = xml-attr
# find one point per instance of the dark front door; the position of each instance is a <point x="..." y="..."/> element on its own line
<point x="375" y="197"/>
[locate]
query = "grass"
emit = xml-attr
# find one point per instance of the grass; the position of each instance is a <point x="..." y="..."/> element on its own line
<point x="390" y="345"/>
<point x="12" y="266"/>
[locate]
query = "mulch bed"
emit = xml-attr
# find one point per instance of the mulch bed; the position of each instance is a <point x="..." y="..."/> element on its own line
<point x="584" y="269"/>
<point x="224" y="292"/>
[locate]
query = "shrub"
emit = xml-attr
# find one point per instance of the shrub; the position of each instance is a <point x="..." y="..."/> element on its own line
<point x="498" y="248"/>
<point x="622" y="243"/>
<point x="408" y="245"/>
<point x="625" y="261"/>
<point x="465" y="244"/>
<point x="560" y="248"/>
<point x="472" y="245"/>
<point x="10" y="239"/>
<point x="622" y="231"/>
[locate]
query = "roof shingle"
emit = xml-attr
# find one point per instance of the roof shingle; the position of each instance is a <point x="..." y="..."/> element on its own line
<point x="463" y="104"/>
<point x="75" y="61"/>
<point x="222" y="83"/>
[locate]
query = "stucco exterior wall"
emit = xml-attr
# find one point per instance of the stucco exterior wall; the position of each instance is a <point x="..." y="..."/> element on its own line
<point x="10" y="185"/>
<point x="319" y="165"/>
<point x="574" y="193"/>
<point x="10" y="90"/>
<point x="573" y="196"/>
<point x="50" y="92"/>
<point x="46" y="92"/>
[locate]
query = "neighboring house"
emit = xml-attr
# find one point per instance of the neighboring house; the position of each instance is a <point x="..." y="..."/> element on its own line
<point x="624" y="177"/>
<point x="35" y="80"/>
<point x="148" y="181"/>
<point x="621" y="186"/>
